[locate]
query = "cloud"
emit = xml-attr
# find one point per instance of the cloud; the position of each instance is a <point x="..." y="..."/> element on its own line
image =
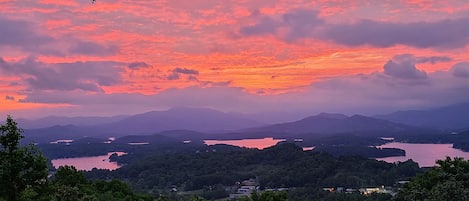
<point x="92" y="48"/>
<point x="216" y="84"/>
<point x="434" y="59"/>
<point x="86" y="76"/>
<point x="461" y="70"/>
<point x="138" y="65"/>
<point x="20" y="33"/>
<point x="185" y="71"/>
<point x="191" y="96"/>
<point x="303" y="24"/>
<point x="23" y="35"/>
<point x="403" y="66"/>
<point x="175" y="74"/>
<point x="27" y="37"/>
<point x="9" y="98"/>
<point x="453" y="33"/>
<point x="192" y="78"/>
<point x="372" y="93"/>
<point x="265" y="26"/>
<point x="297" y="24"/>
<point x="422" y="59"/>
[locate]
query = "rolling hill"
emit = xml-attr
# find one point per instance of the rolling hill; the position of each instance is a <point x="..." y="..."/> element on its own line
<point x="452" y="118"/>
<point x="325" y="123"/>
<point x="194" y="119"/>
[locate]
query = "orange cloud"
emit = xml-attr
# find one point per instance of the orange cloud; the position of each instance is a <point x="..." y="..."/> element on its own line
<point x="205" y="36"/>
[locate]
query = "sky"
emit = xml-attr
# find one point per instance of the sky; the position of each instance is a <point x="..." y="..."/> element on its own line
<point x="75" y="58"/>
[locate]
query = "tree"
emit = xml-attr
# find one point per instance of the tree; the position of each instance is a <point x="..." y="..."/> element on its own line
<point x="448" y="181"/>
<point x="69" y="176"/>
<point x="196" y="198"/>
<point x="267" y="196"/>
<point x="21" y="167"/>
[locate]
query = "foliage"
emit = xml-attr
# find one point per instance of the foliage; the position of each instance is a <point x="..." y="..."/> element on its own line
<point x="208" y="170"/>
<point x="284" y="165"/>
<point x="267" y="196"/>
<point x="320" y="195"/>
<point x="365" y="151"/>
<point x="69" y="183"/>
<point x="23" y="169"/>
<point x="447" y="181"/>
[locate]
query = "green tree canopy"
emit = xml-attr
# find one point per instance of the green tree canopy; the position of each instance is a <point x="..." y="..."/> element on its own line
<point x="267" y="196"/>
<point x="69" y="176"/>
<point x="23" y="169"/>
<point x="449" y="180"/>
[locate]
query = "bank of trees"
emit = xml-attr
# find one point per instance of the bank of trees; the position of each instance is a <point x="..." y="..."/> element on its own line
<point x="449" y="180"/>
<point x="24" y="176"/>
<point x="284" y="165"/>
<point x="22" y="168"/>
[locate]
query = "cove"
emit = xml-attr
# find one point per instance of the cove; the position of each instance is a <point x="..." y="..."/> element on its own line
<point x="424" y="154"/>
<point x="88" y="163"/>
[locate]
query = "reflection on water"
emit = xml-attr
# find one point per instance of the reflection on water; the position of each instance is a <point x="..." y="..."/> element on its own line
<point x="88" y="163"/>
<point x="424" y="154"/>
<point x="308" y="148"/>
<point x="248" y="143"/>
<point x="62" y="141"/>
<point x="138" y="143"/>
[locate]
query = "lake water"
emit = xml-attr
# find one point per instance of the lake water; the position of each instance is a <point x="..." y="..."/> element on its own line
<point x="248" y="143"/>
<point x="308" y="148"/>
<point x="424" y="154"/>
<point x="88" y="163"/>
<point x="138" y="143"/>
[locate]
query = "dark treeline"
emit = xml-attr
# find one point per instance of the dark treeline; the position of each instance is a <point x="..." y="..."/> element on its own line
<point x="202" y="172"/>
<point x="340" y="144"/>
<point x="25" y="176"/>
<point x="460" y="140"/>
<point x="449" y="180"/>
<point x="284" y="165"/>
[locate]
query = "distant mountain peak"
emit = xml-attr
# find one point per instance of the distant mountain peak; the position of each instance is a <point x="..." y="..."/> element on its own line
<point x="359" y="116"/>
<point x="451" y="117"/>
<point x="336" y="123"/>
<point x="192" y="109"/>
<point x="332" y="115"/>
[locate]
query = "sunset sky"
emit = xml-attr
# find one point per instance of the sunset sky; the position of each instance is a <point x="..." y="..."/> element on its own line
<point x="74" y="58"/>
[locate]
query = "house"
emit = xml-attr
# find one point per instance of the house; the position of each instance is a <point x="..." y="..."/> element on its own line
<point x="249" y="182"/>
<point x="245" y="189"/>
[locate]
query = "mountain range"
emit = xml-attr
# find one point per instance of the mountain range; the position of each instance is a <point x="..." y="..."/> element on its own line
<point x="326" y="123"/>
<point x="63" y="121"/>
<point x="191" y="122"/>
<point x="451" y="118"/>
<point x="194" y="119"/>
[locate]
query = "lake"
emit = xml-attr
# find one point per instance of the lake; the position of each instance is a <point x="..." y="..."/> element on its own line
<point x="88" y="163"/>
<point x="424" y="154"/>
<point x="248" y="143"/>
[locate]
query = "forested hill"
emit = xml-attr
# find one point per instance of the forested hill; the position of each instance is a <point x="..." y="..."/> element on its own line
<point x="195" y="119"/>
<point x="452" y="117"/>
<point x="336" y="123"/>
<point x="284" y="165"/>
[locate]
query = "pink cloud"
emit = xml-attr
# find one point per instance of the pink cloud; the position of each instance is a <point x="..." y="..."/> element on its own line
<point x="262" y="53"/>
